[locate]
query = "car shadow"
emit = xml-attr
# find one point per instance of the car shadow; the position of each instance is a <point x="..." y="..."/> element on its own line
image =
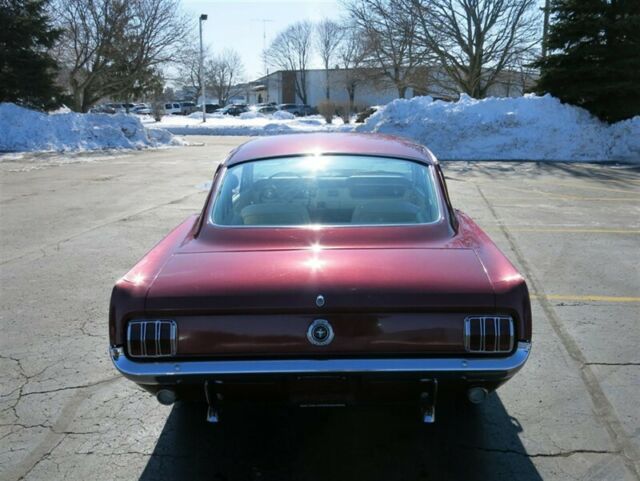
<point x="622" y="174"/>
<point x="341" y="444"/>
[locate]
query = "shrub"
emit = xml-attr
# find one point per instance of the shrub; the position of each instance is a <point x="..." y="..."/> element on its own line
<point x="327" y="109"/>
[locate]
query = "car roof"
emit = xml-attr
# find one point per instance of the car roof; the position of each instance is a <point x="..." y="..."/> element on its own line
<point x="330" y="143"/>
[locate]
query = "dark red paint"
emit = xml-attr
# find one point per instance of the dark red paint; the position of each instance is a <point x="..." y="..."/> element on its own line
<point x="389" y="290"/>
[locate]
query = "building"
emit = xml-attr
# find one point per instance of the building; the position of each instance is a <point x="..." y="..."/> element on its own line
<point x="279" y="87"/>
<point x="368" y="86"/>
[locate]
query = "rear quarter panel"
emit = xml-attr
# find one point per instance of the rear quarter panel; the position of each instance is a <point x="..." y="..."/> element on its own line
<point x="510" y="287"/>
<point x="129" y="294"/>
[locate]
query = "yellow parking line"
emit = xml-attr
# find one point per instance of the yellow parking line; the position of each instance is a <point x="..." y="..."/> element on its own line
<point x="558" y="297"/>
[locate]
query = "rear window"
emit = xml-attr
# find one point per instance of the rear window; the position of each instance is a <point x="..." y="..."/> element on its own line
<point x="338" y="190"/>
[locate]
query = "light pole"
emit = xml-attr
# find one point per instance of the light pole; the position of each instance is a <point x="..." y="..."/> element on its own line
<point x="545" y="29"/>
<point x="203" y="17"/>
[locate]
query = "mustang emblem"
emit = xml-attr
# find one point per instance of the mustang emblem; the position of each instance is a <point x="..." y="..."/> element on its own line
<point x="320" y="300"/>
<point x="320" y="332"/>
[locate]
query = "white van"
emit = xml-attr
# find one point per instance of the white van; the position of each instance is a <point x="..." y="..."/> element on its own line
<point x="172" y="108"/>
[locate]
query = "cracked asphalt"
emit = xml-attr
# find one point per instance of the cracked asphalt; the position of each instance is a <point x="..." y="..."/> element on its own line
<point x="71" y="224"/>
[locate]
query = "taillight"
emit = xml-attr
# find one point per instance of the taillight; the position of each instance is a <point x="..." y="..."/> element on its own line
<point x="489" y="334"/>
<point x="152" y="338"/>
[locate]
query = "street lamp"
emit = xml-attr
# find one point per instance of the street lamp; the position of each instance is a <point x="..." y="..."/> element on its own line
<point x="203" y="17"/>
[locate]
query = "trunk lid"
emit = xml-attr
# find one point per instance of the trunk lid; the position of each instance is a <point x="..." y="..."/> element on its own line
<point x="352" y="279"/>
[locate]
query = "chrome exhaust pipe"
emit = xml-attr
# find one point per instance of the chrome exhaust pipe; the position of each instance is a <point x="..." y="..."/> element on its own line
<point x="166" y="396"/>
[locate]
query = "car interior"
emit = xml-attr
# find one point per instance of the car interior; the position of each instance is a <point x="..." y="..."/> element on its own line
<point x="348" y="195"/>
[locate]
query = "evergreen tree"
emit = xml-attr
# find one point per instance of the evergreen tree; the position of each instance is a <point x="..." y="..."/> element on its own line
<point x="594" y="56"/>
<point x="27" y="71"/>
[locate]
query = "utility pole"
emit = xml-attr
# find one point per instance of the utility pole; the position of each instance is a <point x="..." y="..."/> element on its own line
<point x="545" y="28"/>
<point x="203" y="17"/>
<point x="264" y="49"/>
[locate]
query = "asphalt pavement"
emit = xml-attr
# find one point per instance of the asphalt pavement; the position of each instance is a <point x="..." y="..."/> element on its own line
<point x="71" y="224"/>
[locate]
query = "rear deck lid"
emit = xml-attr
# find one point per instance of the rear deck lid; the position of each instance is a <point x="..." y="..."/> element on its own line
<point x="273" y="281"/>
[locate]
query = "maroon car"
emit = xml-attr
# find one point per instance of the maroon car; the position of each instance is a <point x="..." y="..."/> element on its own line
<point x="323" y="270"/>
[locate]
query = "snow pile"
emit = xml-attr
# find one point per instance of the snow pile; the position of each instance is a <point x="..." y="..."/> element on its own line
<point x="283" y="115"/>
<point x="25" y="130"/>
<point x="248" y="123"/>
<point x="198" y="115"/>
<point x="251" y="114"/>
<point x="625" y="137"/>
<point x="523" y="128"/>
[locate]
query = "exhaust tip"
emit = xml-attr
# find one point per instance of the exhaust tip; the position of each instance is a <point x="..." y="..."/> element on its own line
<point x="166" y="396"/>
<point x="477" y="395"/>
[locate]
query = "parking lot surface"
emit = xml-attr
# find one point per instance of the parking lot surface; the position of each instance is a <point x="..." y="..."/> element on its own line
<point x="72" y="224"/>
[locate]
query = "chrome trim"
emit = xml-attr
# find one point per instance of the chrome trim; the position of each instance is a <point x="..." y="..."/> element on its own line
<point x="158" y="372"/>
<point x="157" y="326"/>
<point x="482" y="320"/>
<point x="320" y="323"/>
<point x="512" y="334"/>
<point x="174" y="338"/>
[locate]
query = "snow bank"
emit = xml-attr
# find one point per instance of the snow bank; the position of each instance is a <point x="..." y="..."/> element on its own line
<point x="251" y="114"/>
<point x="198" y="115"/>
<point x="523" y="128"/>
<point x="283" y="115"/>
<point x="26" y="130"/>
<point x="248" y="123"/>
<point x="625" y="137"/>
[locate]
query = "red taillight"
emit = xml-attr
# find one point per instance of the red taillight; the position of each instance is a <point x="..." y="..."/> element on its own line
<point x="489" y="334"/>
<point x="152" y="338"/>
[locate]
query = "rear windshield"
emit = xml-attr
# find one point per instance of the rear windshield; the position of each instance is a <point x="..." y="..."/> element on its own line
<point x="326" y="190"/>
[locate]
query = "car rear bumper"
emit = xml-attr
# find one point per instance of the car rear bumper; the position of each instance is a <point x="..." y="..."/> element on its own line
<point x="186" y="372"/>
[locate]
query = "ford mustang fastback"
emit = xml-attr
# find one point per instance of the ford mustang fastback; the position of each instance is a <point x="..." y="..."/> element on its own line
<point x="323" y="270"/>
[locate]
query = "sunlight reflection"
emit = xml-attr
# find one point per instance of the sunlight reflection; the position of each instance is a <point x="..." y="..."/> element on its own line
<point x="315" y="161"/>
<point x="138" y="279"/>
<point x="315" y="264"/>
<point x="314" y="226"/>
<point x="316" y="247"/>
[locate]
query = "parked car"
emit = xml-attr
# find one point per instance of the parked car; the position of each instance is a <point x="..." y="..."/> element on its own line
<point x="299" y="110"/>
<point x="267" y="109"/>
<point x="102" y="109"/>
<point x="172" y="108"/>
<point x="209" y="108"/>
<point x="326" y="279"/>
<point x="234" y="110"/>
<point x="265" y="104"/>
<point x="116" y="108"/>
<point x="142" y="109"/>
<point x="365" y="114"/>
<point x="187" y="108"/>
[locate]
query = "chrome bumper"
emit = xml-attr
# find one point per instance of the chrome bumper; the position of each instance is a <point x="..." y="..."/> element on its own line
<point x="167" y="372"/>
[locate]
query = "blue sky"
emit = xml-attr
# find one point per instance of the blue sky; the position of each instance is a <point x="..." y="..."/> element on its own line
<point x="238" y="24"/>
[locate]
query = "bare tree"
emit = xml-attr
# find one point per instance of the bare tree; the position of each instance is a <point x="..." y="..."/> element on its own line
<point x="475" y="40"/>
<point x="188" y="66"/>
<point x="328" y="37"/>
<point x="291" y="51"/>
<point x="222" y="73"/>
<point x="351" y="56"/>
<point x="109" y="47"/>
<point x="389" y="35"/>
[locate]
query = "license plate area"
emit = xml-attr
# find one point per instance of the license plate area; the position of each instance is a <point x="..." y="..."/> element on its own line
<point x="330" y="390"/>
<point x="322" y="391"/>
